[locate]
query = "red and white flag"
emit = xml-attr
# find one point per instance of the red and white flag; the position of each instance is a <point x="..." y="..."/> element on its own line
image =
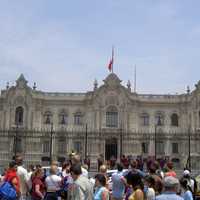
<point x="110" y="65"/>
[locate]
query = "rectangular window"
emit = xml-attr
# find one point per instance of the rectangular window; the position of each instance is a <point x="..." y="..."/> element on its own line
<point x="63" y="119"/>
<point x="62" y="146"/>
<point x="112" y="119"/>
<point x="46" y="146"/>
<point x="77" y="146"/>
<point x="145" y="120"/>
<point x="78" y="120"/>
<point x="159" y="120"/>
<point x="145" y="147"/>
<point x="174" y="147"/>
<point x="160" y="148"/>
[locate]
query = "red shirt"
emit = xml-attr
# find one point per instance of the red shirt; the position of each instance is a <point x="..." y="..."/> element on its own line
<point x="37" y="181"/>
<point x="170" y="173"/>
<point x="10" y="175"/>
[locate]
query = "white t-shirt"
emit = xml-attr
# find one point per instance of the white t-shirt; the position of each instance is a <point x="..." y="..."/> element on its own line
<point x="150" y="194"/>
<point x="84" y="172"/>
<point x="23" y="178"/>
<point x="53" y="182"/>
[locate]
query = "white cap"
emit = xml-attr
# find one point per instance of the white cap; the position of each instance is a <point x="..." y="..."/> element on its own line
<point x="186" y="172"/>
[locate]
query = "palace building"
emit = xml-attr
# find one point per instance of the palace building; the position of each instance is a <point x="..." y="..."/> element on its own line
<point x="110" y="119"/>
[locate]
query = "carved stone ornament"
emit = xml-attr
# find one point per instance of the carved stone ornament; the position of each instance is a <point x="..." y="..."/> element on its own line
<point x="21" y="82"/>
<point x="112" y="80"/>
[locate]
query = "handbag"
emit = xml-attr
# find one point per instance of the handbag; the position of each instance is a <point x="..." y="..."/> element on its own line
<point x="7" y="191"/>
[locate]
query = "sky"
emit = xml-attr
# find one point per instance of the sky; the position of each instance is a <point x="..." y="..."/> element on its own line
<point x="64" y="45"/>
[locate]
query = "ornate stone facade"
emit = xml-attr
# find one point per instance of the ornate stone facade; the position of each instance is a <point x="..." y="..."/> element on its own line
<point x="118" y="121"/>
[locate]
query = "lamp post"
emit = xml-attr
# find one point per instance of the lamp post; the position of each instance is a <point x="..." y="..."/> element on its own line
<point x="51" y="144"/>
<point x="86" y="137"/>
<point x="121" y="141"/>
<point x="189" y="148"/>
<point x="16" y="140"/>
<point x="158" y="123"/>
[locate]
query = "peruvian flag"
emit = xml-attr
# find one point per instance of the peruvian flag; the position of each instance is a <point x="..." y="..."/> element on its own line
<point x="110" y="65"/>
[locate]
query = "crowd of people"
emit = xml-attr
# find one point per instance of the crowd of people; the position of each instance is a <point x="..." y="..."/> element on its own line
<point x="128" y="181"/>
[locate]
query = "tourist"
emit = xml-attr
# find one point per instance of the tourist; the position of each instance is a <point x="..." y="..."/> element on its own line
<point x="101" y="192"/>
<point x="186" y="190"/>
<point x="23" y="178"/>
<point x="53" y="183"/>
<point x="171" y="185"/>
<point x="38" y="187"/>
<point x="118" y="183"/>
<point x="135" y="180"/>
<point x="12" y="177"/>
<point x="82" y="188"/>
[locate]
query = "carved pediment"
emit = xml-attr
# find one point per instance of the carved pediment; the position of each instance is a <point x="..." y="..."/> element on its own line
<point x="112" y="80"/>
<point x="21" y="82"/>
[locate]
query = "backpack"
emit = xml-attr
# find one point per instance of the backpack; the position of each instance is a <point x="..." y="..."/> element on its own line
<point x="63" y="191"/>
<point x="7" y="191"/>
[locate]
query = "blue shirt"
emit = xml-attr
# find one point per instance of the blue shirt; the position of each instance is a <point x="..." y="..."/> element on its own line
<point x="98" y="193"/>
<point x="187" y="195"/>
<point x="118" y="186"/>
<point x="169" y="196"/>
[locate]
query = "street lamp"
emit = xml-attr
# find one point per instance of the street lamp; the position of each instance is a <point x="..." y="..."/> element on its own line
<point x="86" y="138"/>
<point x="51" y="143"/>
<point x="189" y="148"/>
<point x="121" y="142"/>
<point x="16" y="140"/>
<point x="158" y="123"/>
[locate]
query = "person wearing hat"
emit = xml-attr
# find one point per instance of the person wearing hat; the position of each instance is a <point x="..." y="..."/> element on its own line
<point x="190" y="182"/>
<point x="171" y="185"/>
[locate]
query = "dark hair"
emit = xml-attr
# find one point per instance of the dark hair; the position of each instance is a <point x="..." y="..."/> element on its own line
<point x="184" y="184"/>
<point x="65" y="165"/>
<point x="12" y="164"/>
<point x="150" y="180"/>
<point x="170" y="165"/>
<point x="134" y="164"/>
<point x="119" y="167"/>
<point x="101" y="178"/>
<point x="135" y="180"/>
<point x="153" y="168"/>
<point x="19" y="159"/>
<point x="38" y="166"/>
<point x="31" y="167"/>
<point x="76" y="169"/>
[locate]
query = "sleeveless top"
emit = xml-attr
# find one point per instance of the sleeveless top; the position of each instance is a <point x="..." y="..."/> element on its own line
<point x="98" y="193"/>
<point x="132" y="196"/>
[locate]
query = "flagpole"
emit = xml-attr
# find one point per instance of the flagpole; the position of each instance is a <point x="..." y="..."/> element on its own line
<point x="112" y="58"/>
<point x="135" y="79"/>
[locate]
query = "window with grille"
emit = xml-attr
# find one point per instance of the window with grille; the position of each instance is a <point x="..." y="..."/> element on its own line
<point x="78" y="119"/>
<point x="77" y="146"/>
<point x="62" y="146"/>
<point x="19" y="113"/>
<point x="63" y="118"/>
<point x="112" y="117"/>
<point x="174" y="119"/>
<point x="47" y="118"/>
<point x="159" y="120"/>
<point x="145" y="120"/>
<point x="174" y="147"/>
<point x="145" y="147"/>
<point x="46" y="146"/>
<point x="160" y="148"/>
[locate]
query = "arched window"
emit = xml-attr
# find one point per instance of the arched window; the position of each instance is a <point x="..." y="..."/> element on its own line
<point x="112" y="117"/>
<point x="78" y="118"/>
<point x="174" y="119"/>
<point x="19" y="113"/>
<point x="159" y="119"/>
<point x="144" y="118"/>
<point x="63" y="118"/>
<point x="47" y="117"/>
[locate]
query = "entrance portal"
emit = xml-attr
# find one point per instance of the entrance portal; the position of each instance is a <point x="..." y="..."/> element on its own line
<point x="111" y="148"/>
